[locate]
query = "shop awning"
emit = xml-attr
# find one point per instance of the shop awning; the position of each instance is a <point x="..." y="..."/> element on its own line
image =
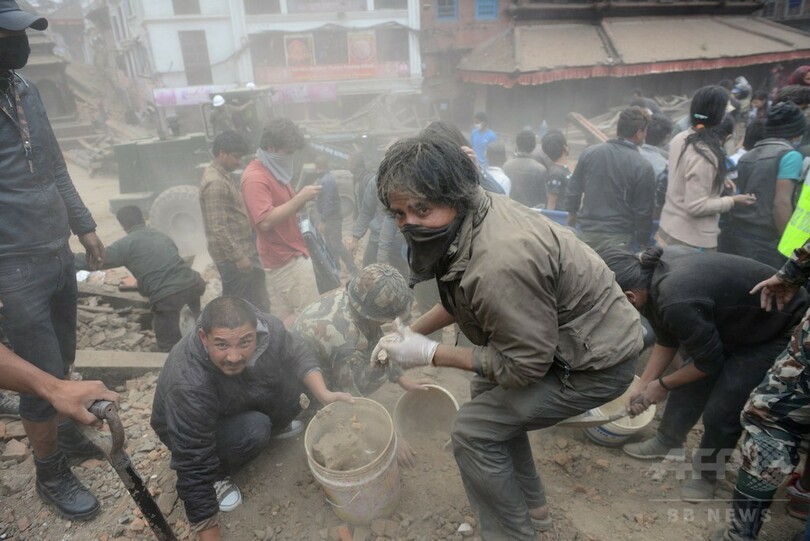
<point x="620" y="47"/>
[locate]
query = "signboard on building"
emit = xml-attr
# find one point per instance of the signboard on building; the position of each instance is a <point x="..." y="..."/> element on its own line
<point x="306" y="93"/>
<point x="331" y="72"/>
<point x="187" y="95"/>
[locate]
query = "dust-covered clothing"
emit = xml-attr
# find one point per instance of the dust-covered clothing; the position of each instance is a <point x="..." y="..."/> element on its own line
<point x="612" y="190"/>
<point x="153" y="259"/>
<point x="558" y="177"/>
<point x="230" y="237"/>
<point x="39" y="208"/>
<point x="163" y="278"/>
<point x="549" y="297"/>
<point x="554" y="337"/>
<point x="751" y="231"/>
<point x="777" y="415"/>
<point x="262" y="193"/>
<point x="227" y="227"/>
<point x="691" y="212"/>
<point x="797" y="269"/>
<point x="193" y="396"/>
<point x="528" y="178"/>
<point x="776" y="418"/>
<point x="700" y="302"/>
<point x="291" y="288"/>
<point x="343" y="341"/>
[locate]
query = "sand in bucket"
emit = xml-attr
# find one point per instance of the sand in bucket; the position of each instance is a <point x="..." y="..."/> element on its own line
<point x="351" y="451"/>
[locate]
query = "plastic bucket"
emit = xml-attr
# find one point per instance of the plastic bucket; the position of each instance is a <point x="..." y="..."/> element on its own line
<point x="372" y="490"/>
<point x="425" y="411"/>
<point x="617" y="432"/>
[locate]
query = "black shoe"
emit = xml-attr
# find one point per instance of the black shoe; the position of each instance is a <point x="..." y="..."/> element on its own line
<point x="75" y="445"/>
<point x="57" y="486"/>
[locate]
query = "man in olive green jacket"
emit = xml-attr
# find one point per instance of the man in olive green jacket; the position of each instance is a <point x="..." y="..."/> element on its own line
<point x="554" y="335"/>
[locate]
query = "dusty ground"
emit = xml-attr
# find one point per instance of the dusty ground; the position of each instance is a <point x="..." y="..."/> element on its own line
<point x="596" y="493"/>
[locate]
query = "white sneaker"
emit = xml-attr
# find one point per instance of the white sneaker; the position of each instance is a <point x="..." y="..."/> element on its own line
<point x="292" y="430"/>
<point x="228" y="495"/>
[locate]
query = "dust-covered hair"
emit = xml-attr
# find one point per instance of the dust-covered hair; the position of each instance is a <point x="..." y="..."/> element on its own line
<point x="229" y="142"/>
<point x="281" y="133"/>
<point x="659" y="129"/>
<point x="430" y="168"/>
<point x="631" y="120"/>
<point x="633" y="271"/>
<point x="226" y="312"/>
<point x="553" y="144"/>
<point x="526" y="141"/>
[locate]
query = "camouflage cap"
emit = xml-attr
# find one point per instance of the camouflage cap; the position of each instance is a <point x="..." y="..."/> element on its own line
<point x="380" y="293"/>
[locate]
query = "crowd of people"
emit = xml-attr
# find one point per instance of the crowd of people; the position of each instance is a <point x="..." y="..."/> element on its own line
<point x="551" y="313"/>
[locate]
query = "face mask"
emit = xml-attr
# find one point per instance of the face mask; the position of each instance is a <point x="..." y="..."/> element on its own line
<point x="426" y="245"/>
<point x="281" y="165"/>
<point x="14" y="52"/>
<point x="478" y="126"/>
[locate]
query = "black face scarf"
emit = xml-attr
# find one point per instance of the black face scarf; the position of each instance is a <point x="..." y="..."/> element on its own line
<point x="14" y="52"/>
<point x="426" y="245"/>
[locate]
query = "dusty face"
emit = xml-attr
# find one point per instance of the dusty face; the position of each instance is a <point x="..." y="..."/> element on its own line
<point x="410" y="210"/>
<point x="757" y="103"/>
<point x="230" y="349"/>
<point x="231" y="161"/>
<point x="806" y="78"/>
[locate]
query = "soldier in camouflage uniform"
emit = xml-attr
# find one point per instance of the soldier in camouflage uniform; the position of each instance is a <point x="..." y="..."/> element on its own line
<point x="777" y="414"/>
<point x="344" y="326"/>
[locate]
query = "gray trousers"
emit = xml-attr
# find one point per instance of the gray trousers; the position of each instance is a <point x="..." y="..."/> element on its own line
<point x="491" y="444"/>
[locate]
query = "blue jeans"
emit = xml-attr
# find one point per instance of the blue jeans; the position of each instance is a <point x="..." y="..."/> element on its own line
<point x="248" y="285"/>
<point x="241" y="438"/>
<point x="39" y="294"/>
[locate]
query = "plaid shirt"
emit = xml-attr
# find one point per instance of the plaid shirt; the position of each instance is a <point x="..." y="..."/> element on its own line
<point x="227" y="227"/>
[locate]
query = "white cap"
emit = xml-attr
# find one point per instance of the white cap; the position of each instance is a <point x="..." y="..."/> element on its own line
<point x="218" y="101"/>
<point x="250" y="85"/>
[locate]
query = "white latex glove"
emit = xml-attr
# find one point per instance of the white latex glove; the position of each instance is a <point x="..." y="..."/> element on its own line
<point x="412" y="350"/>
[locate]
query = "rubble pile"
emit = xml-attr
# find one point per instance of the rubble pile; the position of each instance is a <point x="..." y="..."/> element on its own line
<point x="99" y="326"/>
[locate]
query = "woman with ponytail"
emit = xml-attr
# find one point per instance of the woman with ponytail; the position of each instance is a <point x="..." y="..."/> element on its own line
<point x="699" y="304"/>
<point x="697" y="177"/>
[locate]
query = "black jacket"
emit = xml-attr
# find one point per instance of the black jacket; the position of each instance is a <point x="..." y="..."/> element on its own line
<point x="619" y="188"/>
<point x="192" y="395"/>
<point x="38" y="209"/>
<point x="700" y="301"/>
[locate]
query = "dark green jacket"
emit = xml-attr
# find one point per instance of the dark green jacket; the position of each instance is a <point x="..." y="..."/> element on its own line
<point x="153" y="260"/>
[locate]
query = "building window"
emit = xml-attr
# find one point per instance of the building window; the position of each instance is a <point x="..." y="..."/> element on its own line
<point x="486" y="10"/>
<point x="768" y="9"/>
<point x="262" y="7"/>
<point x="794" y="7"/>
<point x="390" y="4"/>
<point x="186" y="7"/>
<point x="446" y="10"/>
<point x="195" y="57"/>
<point x="268" y="49"/>
<point x="331" y="47"/>
<point x="392" y="45"/>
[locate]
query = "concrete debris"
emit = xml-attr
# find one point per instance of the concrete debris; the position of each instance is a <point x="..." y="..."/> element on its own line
<point x="101" y="326"/>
